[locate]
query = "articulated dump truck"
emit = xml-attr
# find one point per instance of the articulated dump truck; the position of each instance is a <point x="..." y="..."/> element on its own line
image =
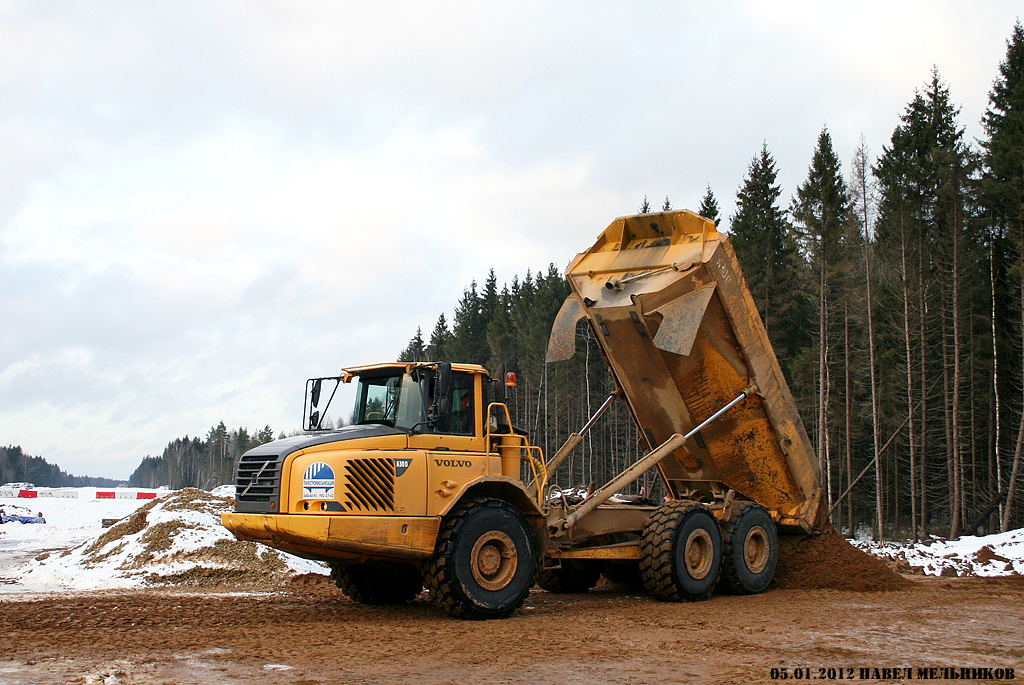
<point x="432" y="486"/>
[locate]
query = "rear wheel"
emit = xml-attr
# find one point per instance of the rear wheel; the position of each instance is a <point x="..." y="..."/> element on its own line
<point x="378" y="582"/>
<point x="750" y="550"/>
<point x="681" y="552"/>
<point x="485" y="562"/>
<point x="571" y="576"/>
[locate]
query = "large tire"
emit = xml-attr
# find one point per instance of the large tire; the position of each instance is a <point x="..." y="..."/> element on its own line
<point x="378" y="582"/>
<point x="681" y="552"/>
<point x="750" y="551"/>
<point x="485" y="563"/>
<point x="570" y="577"/>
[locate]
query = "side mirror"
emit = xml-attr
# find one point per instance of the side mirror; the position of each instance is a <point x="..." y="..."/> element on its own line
<point x="499" y="386"/>
<point x="312" y="413"/>
<point x="443" y="388"/>
<point x="442" y="391"/>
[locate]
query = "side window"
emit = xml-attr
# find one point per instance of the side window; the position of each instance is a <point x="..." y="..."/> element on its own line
<point x="460" y="419"/>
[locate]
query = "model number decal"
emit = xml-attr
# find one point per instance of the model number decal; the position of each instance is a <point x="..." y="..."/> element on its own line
<point x="458" y="463"/>
<point x="401" y="465"/>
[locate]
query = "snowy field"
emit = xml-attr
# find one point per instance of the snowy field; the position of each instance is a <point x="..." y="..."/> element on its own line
<point x="178" y="539"/>
<point x="69" y="522"/>
<point x="1001" y="554"/>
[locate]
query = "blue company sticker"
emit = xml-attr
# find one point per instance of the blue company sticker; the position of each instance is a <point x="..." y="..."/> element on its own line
<point x="401" y="465"/>
<point x="318" y="482"/>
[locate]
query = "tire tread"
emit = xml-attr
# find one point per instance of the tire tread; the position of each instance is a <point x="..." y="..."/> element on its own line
<point x="439" y="574"/>
<point x="657" y="559"/>
<point x="730" y="580"/>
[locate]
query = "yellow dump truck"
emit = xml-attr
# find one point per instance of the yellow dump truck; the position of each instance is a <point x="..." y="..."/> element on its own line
<point x="425" y="487"/>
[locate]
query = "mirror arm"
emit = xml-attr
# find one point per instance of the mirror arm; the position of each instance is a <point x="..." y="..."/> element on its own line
<point x="316" y="417"/>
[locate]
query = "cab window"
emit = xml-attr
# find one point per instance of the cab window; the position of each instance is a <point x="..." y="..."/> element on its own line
<point x="460" y="419"/>
<point x="391" y="400"/>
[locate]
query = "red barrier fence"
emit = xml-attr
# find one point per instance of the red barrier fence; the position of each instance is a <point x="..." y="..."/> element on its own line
<point x="75" y="493"/>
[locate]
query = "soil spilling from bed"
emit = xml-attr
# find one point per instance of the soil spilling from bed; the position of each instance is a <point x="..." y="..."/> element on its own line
<point x="826" y="560"/>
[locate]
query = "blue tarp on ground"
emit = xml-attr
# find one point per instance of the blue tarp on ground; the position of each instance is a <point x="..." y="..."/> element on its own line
<point x="22" y="519"/>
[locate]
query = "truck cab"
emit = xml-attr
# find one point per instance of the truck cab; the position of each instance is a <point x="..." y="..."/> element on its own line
<point x="423" y="487"/>
<point x="422" y="436"/>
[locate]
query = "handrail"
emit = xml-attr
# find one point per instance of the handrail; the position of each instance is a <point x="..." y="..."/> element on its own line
<point x="538" y="466"/>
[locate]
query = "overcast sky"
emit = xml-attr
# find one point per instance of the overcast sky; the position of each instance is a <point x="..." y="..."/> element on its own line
<point x="204" y="204"/>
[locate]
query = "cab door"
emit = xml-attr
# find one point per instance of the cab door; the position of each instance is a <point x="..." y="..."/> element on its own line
<point x="461" y="430"/>
<point x="455" y="446"/>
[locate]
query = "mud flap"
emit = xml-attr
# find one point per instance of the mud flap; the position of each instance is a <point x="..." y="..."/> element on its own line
<point x="562" y="343"/>
<point x="682" y="318"/>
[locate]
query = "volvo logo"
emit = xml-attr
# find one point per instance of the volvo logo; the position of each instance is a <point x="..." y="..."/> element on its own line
<point x="458" y="463"/>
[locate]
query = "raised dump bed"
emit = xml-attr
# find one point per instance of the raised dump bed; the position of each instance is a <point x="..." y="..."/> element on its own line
<point x="668" y="304"/>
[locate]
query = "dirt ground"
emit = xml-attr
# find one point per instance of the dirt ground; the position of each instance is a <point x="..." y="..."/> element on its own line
<point x="307" y="633"/>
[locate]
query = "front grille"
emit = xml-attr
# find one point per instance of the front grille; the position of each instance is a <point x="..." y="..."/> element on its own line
<point x="258" y="478"/>
<point x="370" y="485"/>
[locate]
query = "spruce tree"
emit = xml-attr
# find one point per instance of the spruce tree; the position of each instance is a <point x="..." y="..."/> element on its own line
<point x="500" y="334"/>
<point x="821" y="211"/>
<point x="1004" y="148"/>
<point x="264" y="436"/>
<point x="924" y="181"/>
<point x="645" y="206"/>
<point x="440" y="337"/>
<point x="489" y="303"/>
<point x="415" y="351"/>
<point x="1003" y="198"/>
<point x="469" y="332"/>
<point x="709" y="206"/>
<point x="766" y="247"/>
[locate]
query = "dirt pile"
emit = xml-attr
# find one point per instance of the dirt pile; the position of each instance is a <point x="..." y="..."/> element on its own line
<point x="986" y="555"/>
<point x="177" y="540"/>
<point x="827" y="560"/>
<point x="160" y="551"/>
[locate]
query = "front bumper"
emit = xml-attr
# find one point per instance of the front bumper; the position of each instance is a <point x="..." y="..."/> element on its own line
<point x="343" y="538"/>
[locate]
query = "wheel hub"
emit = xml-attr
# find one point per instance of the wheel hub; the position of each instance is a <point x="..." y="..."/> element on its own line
<point x="494" y="560"/>
<point x="698" y="554"/>
<point x="755" y="549"/>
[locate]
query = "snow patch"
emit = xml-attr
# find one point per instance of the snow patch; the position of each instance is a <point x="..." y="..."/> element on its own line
<point x="1001" y="554"/>
<point x="224" y="491"/>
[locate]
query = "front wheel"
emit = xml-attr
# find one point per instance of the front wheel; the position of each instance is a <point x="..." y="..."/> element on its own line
<point x="485" y="562"/>
<point x="681" y="552"/>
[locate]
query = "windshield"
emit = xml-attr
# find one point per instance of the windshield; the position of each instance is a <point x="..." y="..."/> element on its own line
<point x="391" y="400"/>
